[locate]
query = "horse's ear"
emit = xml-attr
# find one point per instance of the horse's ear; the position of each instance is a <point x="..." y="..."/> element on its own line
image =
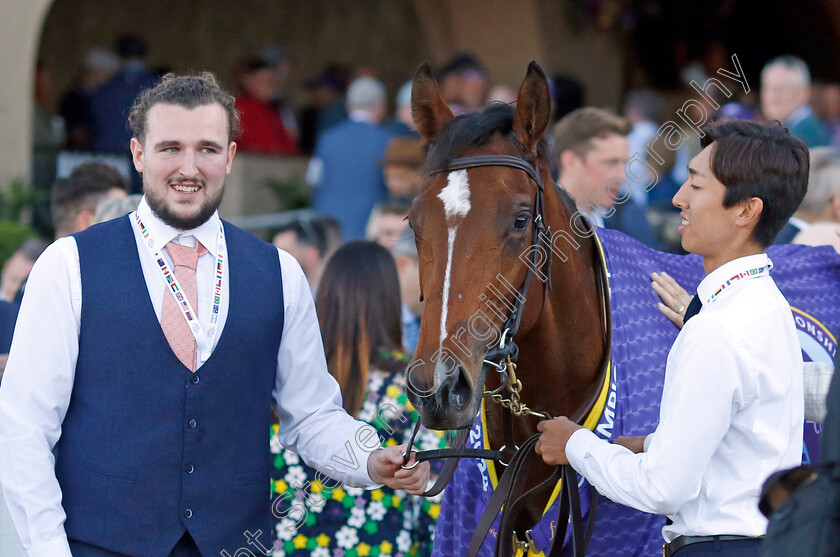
<point x="428" y="109"/>
<point x="533" y="108"/>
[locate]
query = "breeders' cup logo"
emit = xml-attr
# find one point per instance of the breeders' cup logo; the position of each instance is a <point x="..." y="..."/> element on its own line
<point x="818" y="345"/>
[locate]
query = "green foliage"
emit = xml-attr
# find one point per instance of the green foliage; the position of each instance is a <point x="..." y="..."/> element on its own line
<point x="291" y="192"/>
<point x="12" y="235"/>
<point x="17" y="197"/>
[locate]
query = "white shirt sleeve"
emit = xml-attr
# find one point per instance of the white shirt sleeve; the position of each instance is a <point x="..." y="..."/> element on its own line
<point x="34" y="397"/>
<point x="702" y="390"/>
<point x="308" y="400"/>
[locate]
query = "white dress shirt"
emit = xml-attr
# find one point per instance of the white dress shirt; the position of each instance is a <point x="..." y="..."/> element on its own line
<point x="39" y="377"/>
<point x="731" y="414"/>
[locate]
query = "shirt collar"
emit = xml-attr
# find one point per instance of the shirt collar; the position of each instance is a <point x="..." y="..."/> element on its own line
<point x="725" y="276"/>
<point x="206" y="233"/>
<point x="798" y="115"/>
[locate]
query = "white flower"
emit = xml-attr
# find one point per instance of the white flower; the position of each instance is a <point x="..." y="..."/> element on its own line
<point x="315" y="502"/>
<point x="275" y="445"/>
<point x="353" y="491"/>
<point x="376" y="510"/>
<point x="286" y="529"/>
<point x="347" y="537"/>
<point x="404" y="541"/>
<point x="368" y="411"/>
<point x="295" y="476"/>
<point x="357" y="517"/>
<point x="320" y="552"/>
<point x="291" y="457"/>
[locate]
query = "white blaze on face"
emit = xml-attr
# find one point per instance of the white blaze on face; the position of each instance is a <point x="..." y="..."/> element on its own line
<point x="456" y="204"/>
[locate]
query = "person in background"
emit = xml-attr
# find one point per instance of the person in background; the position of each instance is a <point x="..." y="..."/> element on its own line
<point x="326" y="106"/>
<point x="403" y="168"/>
<point x="73" y="200"/>
<point x="345" y="171"/>
<point x="591" y="150"/>
<point x="386" y="223"/>
<point x="642" y="108"/>
<point x="263" y="128"/>
<point x="359" y="311"/>
<point x="98" y="67"/>
<point x="305" y="240"/>
<point x="785" y="93"/>
<point x="403" y="124"/>
<point x="112" y="208"/>
<point x="822" y="201"/>
<point x="17" y="268"/>
<point x="408" y="269"/>
<point x="283" y="62"/>
<point x="111" y="102"/>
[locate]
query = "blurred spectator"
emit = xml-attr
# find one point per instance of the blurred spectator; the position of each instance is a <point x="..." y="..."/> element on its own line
<point x="785" y="93"/>
<point x="282" y="61"/>
<point x="591" y="149"/>
<point x="332" y="233"/>
<point x="74" y="199"/>
<point x="567" y="94"/>
<point x="326" y="105"/>
<point x="822" y="200"/>
<point x="262" y="126"/>
<point x="111" y="208"/>
<point x="820" y="234"/>
<point x="464" y="84"/>
<point x="825" y="100"/>
<point x="99" y="65"/>
<point x="345" y="170"/>
<point x="403" y="123"/>
<point x="47" y="129"/>
<point x="305" y="240"/>
<point x="386" y="223"/>
<point x="110" y="104"/>
<point x="16" y="269"/>
<point x="501" y="93"/>
<point x="408" y="269"/>
<point x="359" y="312"/>
<point x="403" y="168"/>
<point x="643" y="109"/>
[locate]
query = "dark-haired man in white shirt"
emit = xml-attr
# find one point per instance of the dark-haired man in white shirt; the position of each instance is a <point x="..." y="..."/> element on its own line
<point x="732" y="404"/>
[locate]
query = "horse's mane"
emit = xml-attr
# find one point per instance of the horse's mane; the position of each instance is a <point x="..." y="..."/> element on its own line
<point x="476" y="130"/>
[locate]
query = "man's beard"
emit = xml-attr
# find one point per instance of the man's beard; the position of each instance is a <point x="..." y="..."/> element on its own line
<point x="167" y="215"/>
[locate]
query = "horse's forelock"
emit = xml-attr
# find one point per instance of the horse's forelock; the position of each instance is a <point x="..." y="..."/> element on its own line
<point x="476" y="130"/>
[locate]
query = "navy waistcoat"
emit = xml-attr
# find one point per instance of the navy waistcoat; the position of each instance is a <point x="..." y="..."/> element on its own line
<point x="149" y="449"/>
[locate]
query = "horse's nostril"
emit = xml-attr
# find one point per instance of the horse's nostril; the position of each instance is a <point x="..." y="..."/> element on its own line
<point x="460" y="392"/>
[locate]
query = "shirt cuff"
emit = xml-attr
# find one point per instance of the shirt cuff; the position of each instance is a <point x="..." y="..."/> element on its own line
<point x="579" y="445"/>
<point x="56" y="547"/>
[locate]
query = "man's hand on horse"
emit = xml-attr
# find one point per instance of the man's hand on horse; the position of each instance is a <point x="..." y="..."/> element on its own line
<point x="552" y="443"/>
<point x="674" y="298"/>
<point x="385" y="467"/>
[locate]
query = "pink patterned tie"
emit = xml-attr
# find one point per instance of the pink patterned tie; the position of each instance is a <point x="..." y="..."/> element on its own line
<point x="172" y="319"/>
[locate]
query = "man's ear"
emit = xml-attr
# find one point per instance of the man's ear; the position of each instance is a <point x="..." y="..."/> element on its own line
<point x="84" y="220"/>
<point x="750" y="212"/>
<point x="834" y="208"/>
<point x="568" y="159"/>
<point x="136" y="154"/>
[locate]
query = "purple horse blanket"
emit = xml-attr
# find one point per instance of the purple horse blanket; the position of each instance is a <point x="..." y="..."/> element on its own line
<point x="808" y="277"/>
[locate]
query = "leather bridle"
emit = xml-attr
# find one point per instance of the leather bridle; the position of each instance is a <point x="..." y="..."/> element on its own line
<point x="502" y="358"/>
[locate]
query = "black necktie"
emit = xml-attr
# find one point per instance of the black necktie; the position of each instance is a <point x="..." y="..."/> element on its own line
<point x="693" y="308"/>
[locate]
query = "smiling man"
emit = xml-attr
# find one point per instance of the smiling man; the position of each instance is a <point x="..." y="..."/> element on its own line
<point x="732" y="404"/>
<point x="135" y="409"/>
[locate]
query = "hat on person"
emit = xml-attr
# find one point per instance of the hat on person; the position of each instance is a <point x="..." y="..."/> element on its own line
<point x="405" y="151"/>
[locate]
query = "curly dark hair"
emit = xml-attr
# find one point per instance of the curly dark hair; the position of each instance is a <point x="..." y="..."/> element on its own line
<point x="188" y="91"/>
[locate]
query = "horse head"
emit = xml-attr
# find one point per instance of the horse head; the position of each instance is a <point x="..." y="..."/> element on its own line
<point x="475" y="221"/>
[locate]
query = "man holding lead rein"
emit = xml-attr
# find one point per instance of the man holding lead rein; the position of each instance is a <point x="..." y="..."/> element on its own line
<point x="732" y="404"/>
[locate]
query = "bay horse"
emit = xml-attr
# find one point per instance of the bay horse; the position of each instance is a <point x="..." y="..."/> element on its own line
<point x="501" y="252"/>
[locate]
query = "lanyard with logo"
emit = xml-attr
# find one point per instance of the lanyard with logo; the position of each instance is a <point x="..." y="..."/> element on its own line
<point x="751" y="273"/>
<point x="203" y="340"/>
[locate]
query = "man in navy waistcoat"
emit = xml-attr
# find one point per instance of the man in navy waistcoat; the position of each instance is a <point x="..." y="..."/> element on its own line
<point x="135" y="407"/>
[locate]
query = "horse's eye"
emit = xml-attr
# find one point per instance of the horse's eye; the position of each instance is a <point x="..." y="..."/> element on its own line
<point x="521" y="222"/>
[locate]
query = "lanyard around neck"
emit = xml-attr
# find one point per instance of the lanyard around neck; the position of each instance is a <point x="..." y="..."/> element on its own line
<point x="203" y="340"/>
<point x="748" y="274"/>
